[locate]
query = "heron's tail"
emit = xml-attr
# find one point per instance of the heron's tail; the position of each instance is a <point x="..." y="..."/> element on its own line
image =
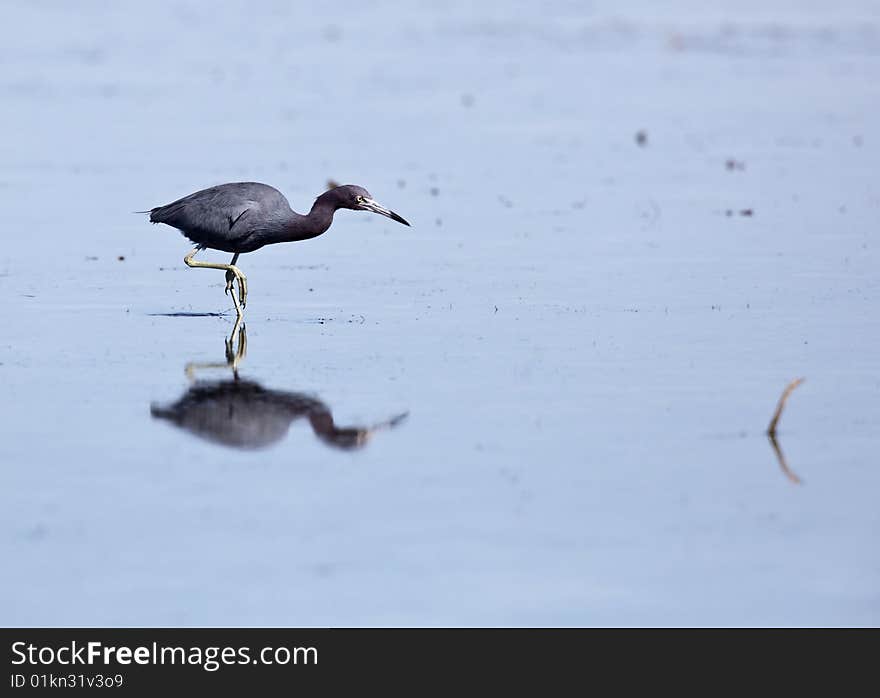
<point x="152" y="212"/>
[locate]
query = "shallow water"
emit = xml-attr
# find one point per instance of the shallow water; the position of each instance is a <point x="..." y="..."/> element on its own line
<point x="587" y="345"/>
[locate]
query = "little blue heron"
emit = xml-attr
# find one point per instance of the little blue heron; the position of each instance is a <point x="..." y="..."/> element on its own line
<point x="242" y="217"/>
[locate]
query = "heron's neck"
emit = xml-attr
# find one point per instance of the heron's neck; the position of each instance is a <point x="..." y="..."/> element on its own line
<point x="311" y="225"/>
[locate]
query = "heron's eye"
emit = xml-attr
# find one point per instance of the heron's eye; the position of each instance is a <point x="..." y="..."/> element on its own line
<point x="360" y="199"/>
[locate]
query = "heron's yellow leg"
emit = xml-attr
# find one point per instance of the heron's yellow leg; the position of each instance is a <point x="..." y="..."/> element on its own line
<point x="230" y="269"/>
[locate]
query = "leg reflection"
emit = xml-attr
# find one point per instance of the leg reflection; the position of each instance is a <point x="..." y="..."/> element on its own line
<point x="234" y="356"/>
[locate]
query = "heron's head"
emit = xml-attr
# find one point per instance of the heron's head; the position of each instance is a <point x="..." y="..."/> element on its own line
<point x="359" y="199"/>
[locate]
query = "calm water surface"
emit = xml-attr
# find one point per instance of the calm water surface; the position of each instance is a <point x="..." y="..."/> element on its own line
<point x="588" y="335"/>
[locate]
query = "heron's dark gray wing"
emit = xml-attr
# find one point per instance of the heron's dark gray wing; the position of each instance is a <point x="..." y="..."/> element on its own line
<point x="221" y="215"/>
<point x="233" y="221"/>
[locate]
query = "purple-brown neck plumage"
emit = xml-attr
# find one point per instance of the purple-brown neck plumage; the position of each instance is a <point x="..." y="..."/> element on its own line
<point x="318" y="220"/>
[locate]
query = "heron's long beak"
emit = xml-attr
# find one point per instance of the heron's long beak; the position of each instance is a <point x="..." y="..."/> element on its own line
<point x="376" y="207"/>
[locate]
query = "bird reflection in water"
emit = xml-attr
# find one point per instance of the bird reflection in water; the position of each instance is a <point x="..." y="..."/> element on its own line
<point x="242" y="414"/>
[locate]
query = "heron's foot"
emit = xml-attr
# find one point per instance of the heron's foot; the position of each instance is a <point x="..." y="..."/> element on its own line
<point x="232" y="276"/>
<point x="242" y="289"/>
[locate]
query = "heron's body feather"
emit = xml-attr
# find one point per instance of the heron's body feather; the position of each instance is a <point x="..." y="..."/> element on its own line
<point x="236" y="217"/>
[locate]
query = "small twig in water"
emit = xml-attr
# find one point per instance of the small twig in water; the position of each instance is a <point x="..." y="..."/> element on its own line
<point x="771" y="430"/>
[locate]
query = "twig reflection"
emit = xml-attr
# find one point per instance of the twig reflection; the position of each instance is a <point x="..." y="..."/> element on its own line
<point x="783" y="464"/>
